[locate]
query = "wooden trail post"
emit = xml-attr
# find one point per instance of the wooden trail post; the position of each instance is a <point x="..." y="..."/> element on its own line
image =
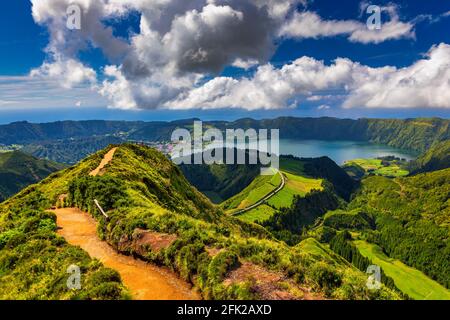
<point x="100" y="208"/>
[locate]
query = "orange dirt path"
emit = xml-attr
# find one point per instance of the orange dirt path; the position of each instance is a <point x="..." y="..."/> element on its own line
<point x="106" y="159"/>
<point x="144" y="280"/>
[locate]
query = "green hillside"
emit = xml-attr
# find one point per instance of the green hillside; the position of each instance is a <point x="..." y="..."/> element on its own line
<point x="257" y="190"/>
<point x="295" y="186"/>
<point x="142" y="190"/>
<point x="409" y="280"/>
<point x="220" y="181"/>
<point x="436" y="158"/>
<point x="400" y="224"/>
<point x="18" y="170"/>
<point x="382" y="167"/>
<point x="412" y="219"/>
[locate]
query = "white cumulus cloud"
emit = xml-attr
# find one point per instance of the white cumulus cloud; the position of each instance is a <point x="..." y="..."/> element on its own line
<point x="426" y="83"/>
<point x="174" y="59"/>
<point x="310" y="25"/>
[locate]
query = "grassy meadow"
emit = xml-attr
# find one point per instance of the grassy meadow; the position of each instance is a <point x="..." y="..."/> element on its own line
<point x="295" y="186"/>
<point x="409" y="280"/>
<point x="377" y="167"/>
<point x="258" y="189"/>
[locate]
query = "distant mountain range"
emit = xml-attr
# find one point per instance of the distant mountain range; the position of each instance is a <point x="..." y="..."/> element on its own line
<point x="77" y="139"/>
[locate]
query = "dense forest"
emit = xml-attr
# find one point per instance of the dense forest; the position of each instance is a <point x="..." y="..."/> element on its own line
<point x="436" y="158"/>
<point x="412" y="219"/>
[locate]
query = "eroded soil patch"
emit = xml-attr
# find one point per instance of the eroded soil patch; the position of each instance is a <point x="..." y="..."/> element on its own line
<point x="268" y="285"/>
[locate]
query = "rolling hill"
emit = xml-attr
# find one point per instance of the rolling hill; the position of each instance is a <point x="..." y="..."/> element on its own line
<point x="18" y="170"/>
<point x="147" y="198"/>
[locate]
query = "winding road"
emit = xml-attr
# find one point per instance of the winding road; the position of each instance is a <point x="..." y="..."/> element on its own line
<point x="267" y="197"/>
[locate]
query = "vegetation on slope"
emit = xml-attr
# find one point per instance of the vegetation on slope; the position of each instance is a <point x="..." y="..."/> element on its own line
<point x="321" y="168"/>
<point x="143" y="190"/>
<point x="294" y="186"/>
<point x="70" y="151"/>
<point x="287" y="224"/>
<point x="412" y="220"/>
<point x="18" y="170"/>
<point x="387" y="166"/>
<point x="436" y="158"/>
<point x="409" y="280"/>
<point x="257" y="190"/>
<point x="34" y="260"/>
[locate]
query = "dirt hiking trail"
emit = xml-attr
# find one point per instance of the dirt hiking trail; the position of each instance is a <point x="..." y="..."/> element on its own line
<point x="106" y="159"/>
<point x="144" y="280"/>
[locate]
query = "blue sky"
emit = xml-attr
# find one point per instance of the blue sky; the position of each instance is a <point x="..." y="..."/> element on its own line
<point x="81" y="75"/>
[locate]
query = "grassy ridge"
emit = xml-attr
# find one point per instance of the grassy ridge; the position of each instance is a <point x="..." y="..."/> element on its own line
<point x="409" y="280"/>
<point x="295" y="185"/>
<point x="142" y="189"/>
<point x="258" y="189"/>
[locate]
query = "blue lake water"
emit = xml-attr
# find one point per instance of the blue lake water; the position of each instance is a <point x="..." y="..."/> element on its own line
<point x="340" y="151"/>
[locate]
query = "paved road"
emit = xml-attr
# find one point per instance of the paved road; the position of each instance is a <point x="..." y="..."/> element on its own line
<point x="267" y="197"/>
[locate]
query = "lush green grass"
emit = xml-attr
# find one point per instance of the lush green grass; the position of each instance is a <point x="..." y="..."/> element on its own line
<point x="295" y="185"/>
<point x="258" y="189"/>
<point x="377" y="167"/>
<point x="142" y="189"/>
<point x="409" y="280"/>
<point x="293" y="166"/>
<point x="260" y="213"/>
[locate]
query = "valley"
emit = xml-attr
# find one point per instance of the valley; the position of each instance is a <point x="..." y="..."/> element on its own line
<point x="309" y="231"/>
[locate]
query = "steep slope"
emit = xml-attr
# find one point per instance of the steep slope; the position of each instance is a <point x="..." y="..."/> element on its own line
<point x="415" y="134"/>
<point x="321" y="168"/>
<point x="436" y="158"/>
<point x="18" y="170"/>
<point x="222" y="180"/>
<point x="400" y="224"/>
<point x="412" y="216"/>
<point x="230" y="180"/>
<point x="147" y="199"/>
